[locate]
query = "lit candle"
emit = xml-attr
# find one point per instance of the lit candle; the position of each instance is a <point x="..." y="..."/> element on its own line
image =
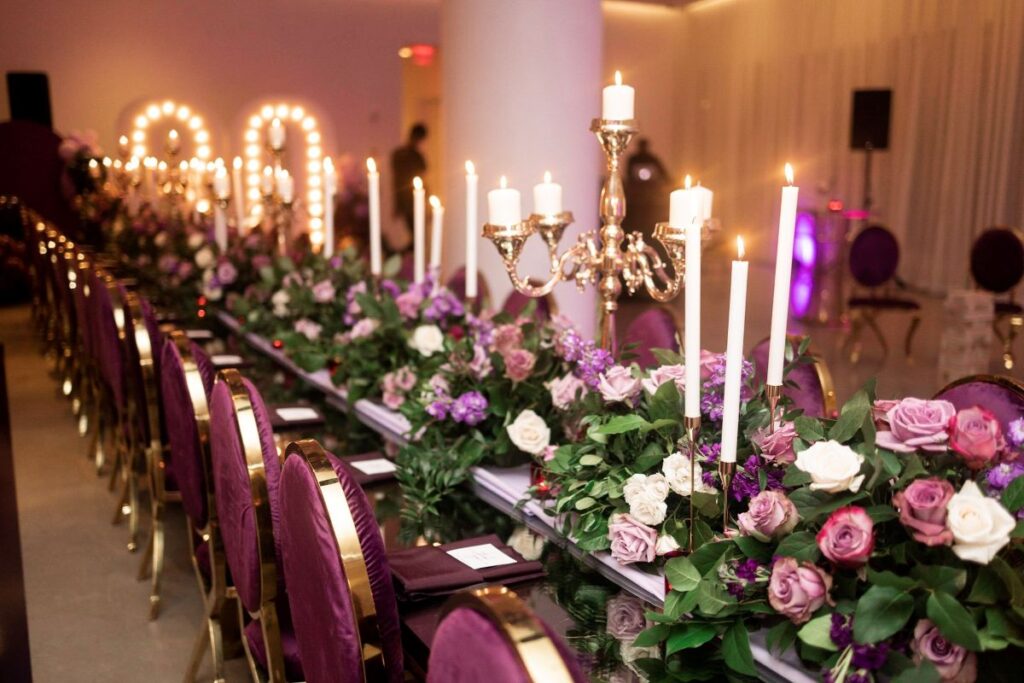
<point x="221" y="184"/>
<point x="286" y="186"/>
<point x="236" y="190"/>
<point x="437" y="221"/>
<point x="547" y="197"/>
<point x="471" y="230"/>
<point x="267" y="181"/>
<point x="419" y="229"/>
<point x="330" y="185"/>
<point x="691" y="339"/>
<point x="173" y="142"/>
<point x="704" y="200"/>
<point x="373" y="179"/>
<point x="684" y="206"/>
<point x="734" y="355"/>
<point x="275" y="135"/>
<point x="617" y="101"/>
<point x="221" y="190"/>
<point x="503" y="205"/>
<point x="122" y="146"/>
<point x="783" y="270"/>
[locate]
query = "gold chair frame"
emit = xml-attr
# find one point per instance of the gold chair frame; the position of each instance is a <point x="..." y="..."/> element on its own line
<point x="1013" y="384"/>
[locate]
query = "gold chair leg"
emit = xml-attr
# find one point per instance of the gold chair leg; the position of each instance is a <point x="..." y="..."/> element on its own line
<point x="872" y="323"/>
<point x="909" y="341"/>
<point x="853" y="339"/>
<point x="153" y="560"/>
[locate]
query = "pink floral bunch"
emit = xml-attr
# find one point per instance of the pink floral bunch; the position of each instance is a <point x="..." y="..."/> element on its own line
<point x="507" y="341"/>
<point x="395" y="387"/>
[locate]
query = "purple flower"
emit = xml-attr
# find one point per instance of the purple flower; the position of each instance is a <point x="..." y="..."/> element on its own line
<point x="747" y="482"/>
<point x="226" y="273"/>
<point x="1001" y="476"/>
<point x="470" y="408"/>
<point x="391" y="288"/>
<point x="442" y="305"/>
<point x="354" y="309"/>
<point x="870" y="657"/>
<point x="439" y="409"/>
<point x="334" y="263"/>
<point x="260" y="261"/>
<point x="841" y="631"/>
<point x="747" y="569"/>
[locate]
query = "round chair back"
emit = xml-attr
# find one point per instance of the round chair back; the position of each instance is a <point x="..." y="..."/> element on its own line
<point x="516" y="302"/>
<point x="652" y="329"/>
<point x="1002" y="396"/>
<point x="457" y="285"/>
<point x="109" y="334"/>
<point x="814" y="392"/>
<point x="874" y="256"/>
<point x="997" y="259"/>
<point x="342" y="600"/>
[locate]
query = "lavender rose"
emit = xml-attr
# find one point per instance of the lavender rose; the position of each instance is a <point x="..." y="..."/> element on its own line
<point x="916" y="424"/>
<point x="922" y="508"/>
<point x="954" y="663"/>
<point x="625" y="617"/>
<point x="848" y="537"/>
<point x="798" y="589"/>
<point x="408" y="303"/>
<point x="618" y="384"/>
<point x="519" y="364"/>
<point x="663" y="374"/>
<point x="565" y="390"/>
<point x="323" y="292"/>
<point x="975" y="434"/>
<point x="507" y="338"/>
<point x="631" y="540"/>
<point x="776" y="446"/>
<point x="770" y="514"/>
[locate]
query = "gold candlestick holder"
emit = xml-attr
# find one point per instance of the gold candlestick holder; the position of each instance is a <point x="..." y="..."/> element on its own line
<point x="607" y="258"/>
<point x="726" y="472"/>
<point x="772" y="394"/>
<point x="692" y="426"/>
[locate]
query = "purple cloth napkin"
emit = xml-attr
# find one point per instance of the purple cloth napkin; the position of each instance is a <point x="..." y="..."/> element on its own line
<point x="428" y="571"/>
<point x="362" y="478"/>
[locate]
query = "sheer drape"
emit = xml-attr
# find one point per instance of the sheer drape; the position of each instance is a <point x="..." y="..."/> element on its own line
<point x="766" y="81"/>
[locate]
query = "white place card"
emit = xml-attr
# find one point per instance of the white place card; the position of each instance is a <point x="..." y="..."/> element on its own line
<point x="375" y="466"/>
<point x="297" y="414"/>
<point x="481" y="556"/>
<point x="199" y="334"/>
<point x="221" y="360"/>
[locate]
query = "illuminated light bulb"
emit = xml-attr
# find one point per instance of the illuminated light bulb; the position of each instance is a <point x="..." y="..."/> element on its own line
<point x="203" y="206"/>
<point x="316" y="209"/>
<point x="252" y="165"/>
<point x="153" y="112"/>
<point x="252" y="135"/>
<point x="202" y="137"/>
<point x="313" y="181"/>
<point x="138" y="136"/>
<point x="253" y="193"/>
<point x="183" y="166"/>
<point x="313" y="137"/>
<point x="267" y="111"/>
<point x="252" y="150"/>
<point x="314" y="195"/>
<point x="253" y="179"/>
<point x="141" y="121"/>
<point x="255" y="121"/>
<point x="314" y="152"/>
<point x="281" y="111"/>
<point x="195" y="123"/>
<point x="203" y="152"/>
<point x="183" y="112"/>
<point x="316" y="223"/>
<point x="298" y="113"/>
<point x="308" y="123"/>
<point x="167" y="107"/>
<point x="313" y="166"/>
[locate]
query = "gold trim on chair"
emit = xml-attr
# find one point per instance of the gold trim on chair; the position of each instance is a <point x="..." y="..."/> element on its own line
<point x="1010" y="383"/>
<point x="349" y="549"/>
<point x="524" y="633"/>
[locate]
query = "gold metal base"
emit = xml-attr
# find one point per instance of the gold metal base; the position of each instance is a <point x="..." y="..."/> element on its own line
<point x="726" y="472"/>
<point x="692" y="426"/>
<point x="773" y="394"/>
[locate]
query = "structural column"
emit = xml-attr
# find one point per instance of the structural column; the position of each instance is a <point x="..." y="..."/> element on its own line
<point x="521" y="82"/>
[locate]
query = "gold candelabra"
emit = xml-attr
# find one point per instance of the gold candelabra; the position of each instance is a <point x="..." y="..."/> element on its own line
<point x="607" y="258"/>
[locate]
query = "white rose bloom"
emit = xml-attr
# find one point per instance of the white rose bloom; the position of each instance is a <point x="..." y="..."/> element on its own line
<point x="213" y="293"/>
<point x="833" y="467"/>
<point x="204" y="257"/>
<point x="981" y="526"/>
<point x="280" y="301"/>
<point x="645" y="495"/>
<point x="427" y="339"/>
<point x="160" y="240"/>
<point x="526" y="543"/>
<point x="529" y="433"/>
<point x="196" y="240"/>
<point x="666" y="544"/>
<point x="677" y="472"/>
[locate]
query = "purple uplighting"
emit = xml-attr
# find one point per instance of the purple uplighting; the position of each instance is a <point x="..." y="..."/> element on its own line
<point x="805" y="247"/>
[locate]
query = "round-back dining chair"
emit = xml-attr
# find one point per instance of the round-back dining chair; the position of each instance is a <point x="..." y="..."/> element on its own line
<point x="489" y="634"/>
<point x="809" y="385"/>
<point x="653" y="329"/>
<point x="1000" y="395"/>
<point x="516" y="302"/>
<point x="342" y="599"/>
<point x="456" y="284"/>
<point x="247" y="477"/>
<point x="997" y="265"/>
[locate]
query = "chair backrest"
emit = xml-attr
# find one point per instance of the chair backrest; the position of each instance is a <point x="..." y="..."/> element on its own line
<point x="342" y="600"/>
<point x="997" y="259"/>
<point x="109" y="333"/>
<point x="457" y="285"/>
<point x="515" y="302"/>
<point x="143" y="367"/>
<point x="814" y="392"/>
<point x="1000" y="395"/>
<point x="489" y="634"/>
<point x="652" y="329"/>
<point x="874" y="256"/>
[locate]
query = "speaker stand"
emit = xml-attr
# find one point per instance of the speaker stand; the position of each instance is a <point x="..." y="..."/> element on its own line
<point x="867" y="178"/>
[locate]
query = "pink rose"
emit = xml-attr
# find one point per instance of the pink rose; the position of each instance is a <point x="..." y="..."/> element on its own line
<point x="776" y="446"/>
<point x="506" y="338"/>
<point x="975" y="434"/>
<point x="665" y="373"/>
<point x="405" y="379"/>
<point x="915" y="423"/>
<point x="392" y="400"/>
<point x="954" y="662"/>
<point x="618" y="384"/>
<point x="548" y="454"/>
<point x="625" y="617"/>
<point x="708" y="361"/>
<point x="481" y="363"/>
<point x="848" y="537"/>
<point x="770" y="514"/>
<point x="518" y="364"/>
<point x="323" y="292"/>
<point x="880" y="411"/>
<point x="566" y="390"/>
<point x="308" y="328"/>
<point x="364" y="328"/>
<point x="922" y="508"/>
<point x="408" y="303"/>
<point x="798" y="589"/>
<point x="631" y="540"/>
<point x="226" y="273"/>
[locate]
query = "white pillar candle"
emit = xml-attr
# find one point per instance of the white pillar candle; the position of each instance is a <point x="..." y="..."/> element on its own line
<point x="691" y="339"/>
<point x="238" y="193"/>
<point x="437" y="221"/>
<point x="275" y="135"/>
<point x="471" y="230"/>
<point x="734" y="356"/>
<point x="373" y="185"/>
<point x="503" y="205"/>
<point x="783" y="271"/>
<point x="330" y="182"/>
<point x="684" y="207"/>
<point x="547" y="197"/>
<point x="617" y="101"/>
<point x="286" y="186"/>
<point x="704" y="200"/>
<point x="419" y="229"/>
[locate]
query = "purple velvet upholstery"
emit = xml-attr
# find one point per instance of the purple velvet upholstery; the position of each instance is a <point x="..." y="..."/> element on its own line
<point x="874" y="256"/>
<point x="235" y="510"/>
<point x="468" y="648"/>
<point x="997" y="259"/>
<point x="156" y="337"/>
<point x="1004" y="401"/>
<point x="183" y="436"/>
<point x="293" y="668"/>
<point x="205" y="365"/>
<point x="652" y="329"/>
<point x="317" y="590"/>
<point x="83" y="318"/>
<point x="109" y="346"/>
<point x="808" y="394"/>
<point x="516" y="302"/>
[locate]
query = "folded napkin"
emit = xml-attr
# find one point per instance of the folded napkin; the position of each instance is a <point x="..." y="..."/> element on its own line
<point x="287" y="416"/>
<point x="428" y="571"/>
<point x="369" y="468"/>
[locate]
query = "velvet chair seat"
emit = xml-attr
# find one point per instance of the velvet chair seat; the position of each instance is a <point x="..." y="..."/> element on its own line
<point x="289" y="646"/>
<point x="652" y="329"/>
<point x="1002" y="396"/>
<point x="1008" y="308"/>
<point x="884" y="302"/>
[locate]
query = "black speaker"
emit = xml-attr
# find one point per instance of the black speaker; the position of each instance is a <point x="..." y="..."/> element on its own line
<point x="869" y="124"/>
<point x="29" y="96"/>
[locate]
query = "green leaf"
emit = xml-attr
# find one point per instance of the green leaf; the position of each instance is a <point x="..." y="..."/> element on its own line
<point x="809" y="429"/>
<point x="801" y="546"/>
<point x="952" y="619"/>
<point x="987" y="588"/>
<point x="851" y="417"/>
<point x="585" y="503"/>
<point x="681" y="573"/>
<point x="1018" y="531"/>
<point x="712" y="598"/>
<point x="936" y="577"/>
<point x="1011" y="579"/>
<point x="881" y="612"/>
<point x="688" y="636"/>
<point x="620" y="424"/>
<point x="751" y="547"/>
<point x="781" y="636"/>
<point x="652" y="636"/>
<point x="736" y="649"/>
<point x="903" y="583"/>
<point x="707" y="557"/>
<point x="912" y="468"/>
<point x="882" y="513"/>
<point x="891" y="463"/>
<point x="1013" y="496"/>
<point x="816" y="633"/>
<point x="925" y="672"/>
<point x="795" y="477"/>
<point x="590" y="460"/>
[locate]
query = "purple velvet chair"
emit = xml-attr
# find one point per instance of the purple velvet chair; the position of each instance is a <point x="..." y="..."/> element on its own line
<point x="484" y="635"/>
<point x="652" y="329"/>
<point x="1002" y="396"/>
<point x="339" y="585"/>
<point x="457" y="285"/>
<point x="247" y="475"/>
<point x="516" y="302"/>
<point x="997" y="265"/>
<point x="808" y="386"/>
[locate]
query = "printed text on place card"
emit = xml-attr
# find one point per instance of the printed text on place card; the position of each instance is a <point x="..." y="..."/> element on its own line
<point x="481" y="556"/>
<point x="375" y="466"/>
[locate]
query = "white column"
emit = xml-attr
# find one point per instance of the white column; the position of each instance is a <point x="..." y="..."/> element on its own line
<point x="521" y="82"/>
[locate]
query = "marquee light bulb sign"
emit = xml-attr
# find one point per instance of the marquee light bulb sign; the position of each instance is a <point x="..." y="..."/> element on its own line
<point x="183" y="121"/>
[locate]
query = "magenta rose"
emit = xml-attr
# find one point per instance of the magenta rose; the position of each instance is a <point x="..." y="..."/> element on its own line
<point x="618" y="384"/>
<point x="631" y="540"/>
<point x="770" y="514"/>
<point x="916" y="424"/>
<point x="954" y="663"/>
<point x="848" y="537"/>
<point x="975" y="434"/>
<point x="922" y="508"/>
<point x="798" y="589"/>
<point x="507" y="338"/>
<point x="625" y="617"/>
<point x="776" y="446"/>
<point x="518" y="364"/>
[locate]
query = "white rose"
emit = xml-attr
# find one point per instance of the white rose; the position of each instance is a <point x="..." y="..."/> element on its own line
<point x="526" y="543"/>
<point x="981" y="526"/>
<point x="833" y="467"/>
<point x="645" y="495"/>
<point x="280" y="301"/>
<point x="160" y="240"/>
<point x="213" y="293"/>
<point x="529" y="433"/>
<point x="677" y="472"/>
<point x="196" y="240"/>
<point x="666" y="544"/>
<point x="427" y="339"/>
<point x="204" y="257"/>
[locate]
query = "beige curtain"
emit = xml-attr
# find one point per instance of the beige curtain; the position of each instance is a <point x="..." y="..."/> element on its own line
<point x="768" y="81"/>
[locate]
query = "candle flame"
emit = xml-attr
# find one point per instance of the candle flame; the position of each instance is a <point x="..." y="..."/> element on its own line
<point x="371" y="165"/>
<point x="417" y="183"/>
<point x="123" y="140"/>
<point x="221" y="172"/>
<point x="183" y="166"/>
<point x="237" y="163"/>
<point x="687" y="181"/>
<point x="789" y="174"/>
<point x="470" y="168"/>
<point x="503" y="183"/>
<point x="267" y="171"/>
<point x="276" y="123"/>
<point x="618" y="77"/>
<point x="173" y="134"/>
<point x="435" y="203"/>
<point x="547" y="176"/>
<point x="739" y="248"/>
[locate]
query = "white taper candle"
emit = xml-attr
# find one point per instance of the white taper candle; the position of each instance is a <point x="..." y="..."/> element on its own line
<point x="419" y="229"/>
<point x="783" y="271"/>
<point x="734" y="356"/>
<point x="373" y="183"/>
<point x="471" y="230"/>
